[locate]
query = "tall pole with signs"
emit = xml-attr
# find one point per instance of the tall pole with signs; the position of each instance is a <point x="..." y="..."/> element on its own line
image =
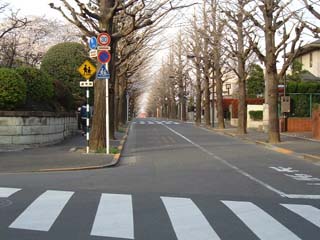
<point x="87" y="70"/>
<point x="104" y="58"/>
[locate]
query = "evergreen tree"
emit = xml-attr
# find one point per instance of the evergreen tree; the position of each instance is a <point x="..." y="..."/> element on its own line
<point x="255" y="82"/>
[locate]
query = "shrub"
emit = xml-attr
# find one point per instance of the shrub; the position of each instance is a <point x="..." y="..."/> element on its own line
<point x="256" y="115"/>
<point x="62" y="96"/>
<point x="12" y="89"/>
<point x="62" y="62"/>
<point x="39" y="84"/>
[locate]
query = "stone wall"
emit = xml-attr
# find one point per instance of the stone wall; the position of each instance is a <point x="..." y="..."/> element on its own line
<point x="35" y="128"/>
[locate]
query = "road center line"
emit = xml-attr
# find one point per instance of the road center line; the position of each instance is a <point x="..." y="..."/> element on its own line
<point x="282" y="194"/>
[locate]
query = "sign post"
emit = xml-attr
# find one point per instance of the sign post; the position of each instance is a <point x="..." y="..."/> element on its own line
<point x="87" y="70"/>
<point x="104" y="58"/>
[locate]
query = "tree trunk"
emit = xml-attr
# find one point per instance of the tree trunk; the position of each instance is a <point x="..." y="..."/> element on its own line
<point x="274" y="134"/>
<point x="271" y="75"/>
<point x="242" y="105"/>
<point x="220" y="114"/>
<point x="117" y="102"/>
<point x="98" y="132"/>
<point x="199" y="96"/>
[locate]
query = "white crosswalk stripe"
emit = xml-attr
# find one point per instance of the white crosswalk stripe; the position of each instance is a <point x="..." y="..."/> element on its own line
<point x="7" y="192"/>
<point x="260" y="222"/>
<point x="43" y="212"/>
<point x="187" y="220"/>
<point x="309" y="213"/>
<point x="114" y="217"/>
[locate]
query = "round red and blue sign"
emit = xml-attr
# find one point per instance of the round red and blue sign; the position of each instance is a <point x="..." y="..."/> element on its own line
<point x="104" y="56"/>
<point x="104" y="39"/>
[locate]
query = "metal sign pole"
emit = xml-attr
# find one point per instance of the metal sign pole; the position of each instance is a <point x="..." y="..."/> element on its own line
<point x="107" y="113"/>
<point x="88" y="118"/>
<point x="127" y="107"/>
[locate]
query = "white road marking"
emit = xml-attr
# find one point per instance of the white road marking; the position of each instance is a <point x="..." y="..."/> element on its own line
<point x="261" y="224"/>
<point x="142" y="122"/>
<point x="7" y="192"/>
<point x="151" y="123"/>
<point x="43" y="212"/>
<point x="187" y="220"/>
<point x="282" y="194"/>
<point x="309" y="213"/>
<point x="114" y="217"/>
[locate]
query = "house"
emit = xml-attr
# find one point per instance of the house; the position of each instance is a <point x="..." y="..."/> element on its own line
<point x="309" y="56"/>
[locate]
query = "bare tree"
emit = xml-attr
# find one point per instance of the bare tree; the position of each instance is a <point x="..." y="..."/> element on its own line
<point x="240" y="51"/>
<point x="310" y="5"/>
<point x="275" y="15"/>
<point x="12" y="22"/>
<point x="218" y="61"/>
<point x="206" y="64"/>
<point x="194" y="53"/>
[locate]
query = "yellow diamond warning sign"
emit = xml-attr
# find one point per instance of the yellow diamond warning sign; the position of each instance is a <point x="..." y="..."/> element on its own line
<point x="87" y="69"/>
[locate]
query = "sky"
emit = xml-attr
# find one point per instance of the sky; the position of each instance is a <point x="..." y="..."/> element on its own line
<point x="35" y="7"/>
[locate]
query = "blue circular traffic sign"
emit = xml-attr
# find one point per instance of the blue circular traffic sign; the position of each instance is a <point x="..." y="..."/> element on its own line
<point x="93" y="43"/>
<point x="104" y="56"/>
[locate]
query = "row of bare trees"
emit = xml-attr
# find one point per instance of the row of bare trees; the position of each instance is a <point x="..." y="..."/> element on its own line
<point x="224" y="38"/>
<point x="130" y="24"/>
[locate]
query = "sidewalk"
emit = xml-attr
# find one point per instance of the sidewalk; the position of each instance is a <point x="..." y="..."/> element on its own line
<point x="299" y="144"/>
<point x="68" y="155"/>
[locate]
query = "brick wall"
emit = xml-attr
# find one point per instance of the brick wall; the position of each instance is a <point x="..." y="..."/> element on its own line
<point x="299" y="125"/>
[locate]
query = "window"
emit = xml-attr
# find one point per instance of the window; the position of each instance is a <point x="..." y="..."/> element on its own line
<point x="310" y="60"/>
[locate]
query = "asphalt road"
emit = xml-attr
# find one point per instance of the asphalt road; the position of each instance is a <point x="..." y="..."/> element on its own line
<point x="174" y="181"/>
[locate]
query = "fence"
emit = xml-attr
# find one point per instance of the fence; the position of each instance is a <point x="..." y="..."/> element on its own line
<point x="303" y="103"/>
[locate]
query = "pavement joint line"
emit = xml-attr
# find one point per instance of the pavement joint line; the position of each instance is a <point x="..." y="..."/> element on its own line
<point x="282" y="194"/>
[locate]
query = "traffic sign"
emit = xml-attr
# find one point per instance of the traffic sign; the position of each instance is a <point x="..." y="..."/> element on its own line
<point x="103" y="72"/>
<point x="104" y="56"/>
<point x="108" y="48"/>
<point x="87" y="69"/>
<point x="86" y="84"/>
<point x="93" y="43"/>
<point x="104" y="39"/>
<point x="93" y="53"/>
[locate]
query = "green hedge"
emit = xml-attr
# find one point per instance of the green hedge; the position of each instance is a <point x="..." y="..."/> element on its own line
<point x="12" y="89"/>
<point x="62" y="61"/>
<point x="39" y="84"/>
<point x="256" y="115"/>
<point x="303" y="87"/>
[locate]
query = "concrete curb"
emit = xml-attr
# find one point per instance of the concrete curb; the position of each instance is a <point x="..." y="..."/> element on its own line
<point x="114" y="163"/>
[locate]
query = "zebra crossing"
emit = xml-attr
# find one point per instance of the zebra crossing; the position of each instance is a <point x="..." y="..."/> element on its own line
<point x="155" y="122"/>
<point x="114" y="216"/>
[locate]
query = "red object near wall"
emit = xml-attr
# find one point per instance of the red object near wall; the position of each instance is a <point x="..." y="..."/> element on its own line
<point x="316" y="124"/>
<point x="299" y="124"/>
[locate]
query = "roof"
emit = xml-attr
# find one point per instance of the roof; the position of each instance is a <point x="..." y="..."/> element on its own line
<point x="309" y="77"/>
<point x="309" y="48"/>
